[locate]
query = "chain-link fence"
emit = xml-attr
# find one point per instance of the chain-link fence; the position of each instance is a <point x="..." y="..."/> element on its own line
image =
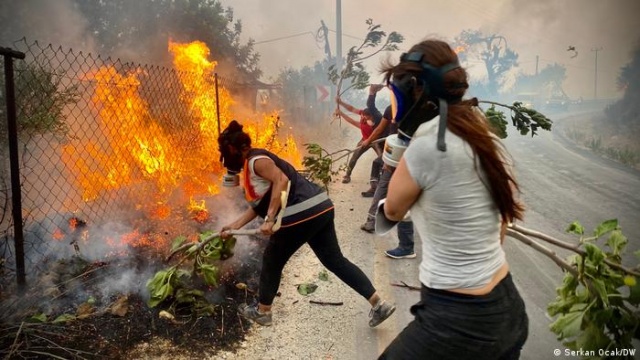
<point x="101" y="139"/>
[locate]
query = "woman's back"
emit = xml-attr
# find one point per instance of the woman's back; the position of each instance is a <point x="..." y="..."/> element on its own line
<point x="455" y="215"/>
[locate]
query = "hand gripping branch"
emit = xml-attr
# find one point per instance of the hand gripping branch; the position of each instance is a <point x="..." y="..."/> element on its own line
<point x="276" y="226"/>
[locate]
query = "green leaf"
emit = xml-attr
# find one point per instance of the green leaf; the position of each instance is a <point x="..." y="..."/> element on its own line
<point x="210" y="274"/>
<point x="38" y="318"/>
<point x="323" y="275"/>
<point x="307" y="288"/>
<point x="594" y="254"/>
<point x="593" y="338"/>
<point x="568" y="325"/>
<point x="601" y="289"/>
<point x="177" y="242"/>
<point x="188" y="296"/>
<point x="227" y="248"/>
<point x="64" y="318"/>
<point x="213" y="254"/>
<point x="617" y="242"/>
<point x="159" y="278"/>
<point x="497" y="122"/>
<point x="605" y="227"/>
<point x="634" y="294"/>
<point x="575" y="228"/>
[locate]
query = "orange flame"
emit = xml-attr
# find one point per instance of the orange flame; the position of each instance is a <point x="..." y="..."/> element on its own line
<point x="58" y="234"/>
<point x="160" y="211"/>
<point x="142" y="153"/>
<point x="460" y="49"/>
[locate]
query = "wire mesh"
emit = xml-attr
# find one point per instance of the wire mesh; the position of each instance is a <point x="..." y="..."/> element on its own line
<point x="100" y="139"/>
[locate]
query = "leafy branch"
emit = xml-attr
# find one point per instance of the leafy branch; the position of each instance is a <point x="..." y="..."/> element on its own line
<point x="41" y="98"/>
<point x="319" y="163"/>
<point x="523" y="118"/>
<point x="596" y="305"/>
<point x="375" y="42"/>
<point x="174" y="286"/>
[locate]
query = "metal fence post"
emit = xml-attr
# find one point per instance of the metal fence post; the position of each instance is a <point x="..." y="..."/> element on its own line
<point x="12" y="128"/>
<point x="217" y="103"/>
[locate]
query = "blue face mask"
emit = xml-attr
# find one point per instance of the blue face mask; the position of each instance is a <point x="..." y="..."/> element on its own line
<point x="401" y="102"/>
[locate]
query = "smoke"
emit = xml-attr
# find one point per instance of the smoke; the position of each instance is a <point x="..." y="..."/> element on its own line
<point x="539" y="31"/>
<point x="544" y="32"/>
<point x="49" y="22"/>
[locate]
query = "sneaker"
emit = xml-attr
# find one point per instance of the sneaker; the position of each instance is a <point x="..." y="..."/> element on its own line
<point x="369" y="226"/>
<point x="251" y="312"/>
<point x="346" y="179"/>
<point x="369" y="193"/>
<point x="380" y="313"/>
<point x="399" y="253"/>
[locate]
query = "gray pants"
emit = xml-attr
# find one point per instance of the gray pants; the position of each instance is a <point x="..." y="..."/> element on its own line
<point x="375" y="165"/>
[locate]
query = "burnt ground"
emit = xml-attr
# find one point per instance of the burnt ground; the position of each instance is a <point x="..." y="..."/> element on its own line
<point x="119" y="322"/>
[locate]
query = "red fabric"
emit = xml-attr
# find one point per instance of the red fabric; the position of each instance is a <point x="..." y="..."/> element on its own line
<point x="365" y="128"/>
<point x="249" y="191"/>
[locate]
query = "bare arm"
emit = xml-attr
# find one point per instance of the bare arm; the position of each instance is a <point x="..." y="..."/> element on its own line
<point x="376" y="132"/>
<point x="347" y="106"/>
<point x="243" y="220"/>
<point x="349" y="119"/>
<point x="403" y="193"/>
<point x="267" y="169"/>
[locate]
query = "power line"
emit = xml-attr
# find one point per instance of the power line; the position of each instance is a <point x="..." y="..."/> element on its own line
<point x="349" y="36"/>
<point x="285" y="37"/>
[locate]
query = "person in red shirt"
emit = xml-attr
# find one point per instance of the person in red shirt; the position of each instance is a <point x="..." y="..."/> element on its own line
<point x="366" y="124"/>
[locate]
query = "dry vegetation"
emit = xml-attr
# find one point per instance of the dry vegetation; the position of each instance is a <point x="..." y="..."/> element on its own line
<point x="606" y="138"/>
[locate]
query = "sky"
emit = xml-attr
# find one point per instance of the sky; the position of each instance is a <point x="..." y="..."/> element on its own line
<point x="539" y="31"/>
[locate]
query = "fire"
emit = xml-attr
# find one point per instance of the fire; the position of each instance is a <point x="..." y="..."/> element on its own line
<point x="161" y="211"/>
<point x="134" y="239"/>
<point x="198" y="210"/>
<point x="460" y="49"/>
<point x="58" y="234"/>
<point x="143" y="153"/>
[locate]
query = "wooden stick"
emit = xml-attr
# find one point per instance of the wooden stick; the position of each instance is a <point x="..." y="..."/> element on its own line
<point x="567" y="246"/>
<point x="404" y="285"/>
<point x="318" y="302"/>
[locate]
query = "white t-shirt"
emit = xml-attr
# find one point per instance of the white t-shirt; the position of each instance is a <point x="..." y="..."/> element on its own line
<point x="455" y="215"/>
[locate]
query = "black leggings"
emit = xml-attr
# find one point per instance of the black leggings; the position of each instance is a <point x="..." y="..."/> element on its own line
<point x="320" y="234"/>
<point x="452" y="326"/>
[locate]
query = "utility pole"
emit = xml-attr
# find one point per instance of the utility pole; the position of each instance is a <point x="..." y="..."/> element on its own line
<point x="325" y="34"/>
<point x="595" y="80"/>
<point x="537" y="61"/>
<point x="339" y="35"/>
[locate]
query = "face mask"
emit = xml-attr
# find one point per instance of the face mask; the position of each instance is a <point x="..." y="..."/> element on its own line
<point x="233" y="162"/>
<point x="404" y="91"/>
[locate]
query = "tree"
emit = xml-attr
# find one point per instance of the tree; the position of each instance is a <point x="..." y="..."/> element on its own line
<point x="41" y="97"/>
<point x="139" y="31"/>
<point x="493" y="51"/>
<point x="298" y="92"/>
<point x="549" y="78"/>
<point x="626" y="111"/>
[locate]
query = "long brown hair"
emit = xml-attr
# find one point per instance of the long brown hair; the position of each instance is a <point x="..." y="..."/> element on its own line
<point x="466" y="121"/>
